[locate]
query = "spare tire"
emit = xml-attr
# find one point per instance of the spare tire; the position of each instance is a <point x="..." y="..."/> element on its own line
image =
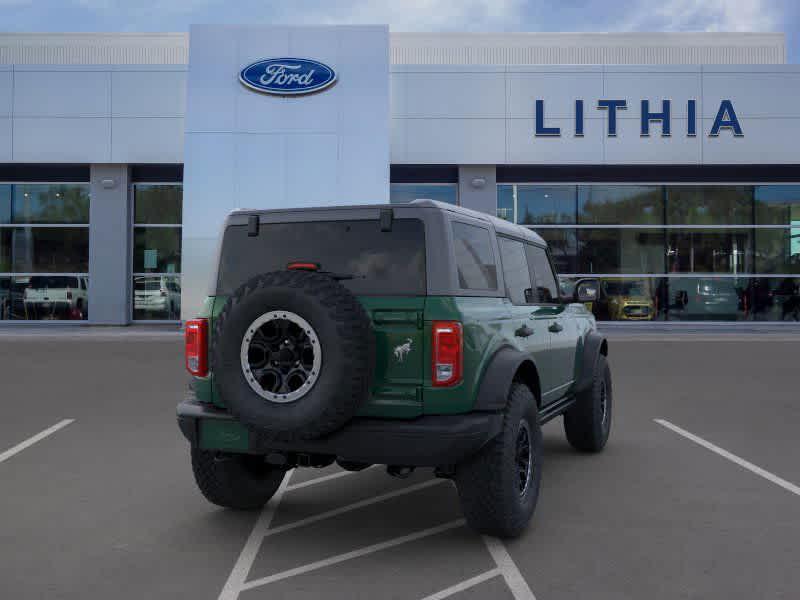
<point x="293" y="354"/>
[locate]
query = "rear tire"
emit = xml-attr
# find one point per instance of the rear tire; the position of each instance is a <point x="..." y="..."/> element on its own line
<point x="494" y="497"/>
<point x="588" y="422"/>
<point x="239" y="481"/>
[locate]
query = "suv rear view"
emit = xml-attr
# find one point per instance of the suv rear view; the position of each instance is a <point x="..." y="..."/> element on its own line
<point x="383" y="335"/>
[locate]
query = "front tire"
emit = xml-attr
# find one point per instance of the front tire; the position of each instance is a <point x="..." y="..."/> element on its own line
<point x="499" y="486"/>
<point x="588" y="422"/>
<point x="239" y="481"/>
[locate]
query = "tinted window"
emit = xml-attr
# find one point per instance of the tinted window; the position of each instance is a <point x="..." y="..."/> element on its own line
<point x="380" y="262"/>
<point x="515" y="270"/>
<point x="474" y="257"/>
<point x="546" y="286"/>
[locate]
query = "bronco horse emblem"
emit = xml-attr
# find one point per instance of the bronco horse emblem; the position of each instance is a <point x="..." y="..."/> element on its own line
<point x="402" y="350"/>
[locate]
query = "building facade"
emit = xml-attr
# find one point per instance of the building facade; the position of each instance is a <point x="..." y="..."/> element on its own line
<point x="666" y="165"/>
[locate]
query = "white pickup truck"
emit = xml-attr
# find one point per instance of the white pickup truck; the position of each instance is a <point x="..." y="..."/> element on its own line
<point x="56" y="296"/>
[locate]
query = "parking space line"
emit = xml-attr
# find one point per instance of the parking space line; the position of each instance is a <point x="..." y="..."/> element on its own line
<point x="241" y="569"/>
<point x="731" y="457"/>
<point x="324" y="478"/>
<point x="350" y="507"/>
<point x="327" y="562"/>
<point x="464" y="585"/>
<point x="33" y="439"/>
<point x="508" y="569"/>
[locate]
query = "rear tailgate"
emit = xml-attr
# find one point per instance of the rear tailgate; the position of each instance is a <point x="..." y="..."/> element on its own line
<point x="399" y="352"/>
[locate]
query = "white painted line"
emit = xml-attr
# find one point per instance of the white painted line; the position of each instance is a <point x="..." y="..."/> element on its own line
<point x="324" y="478"/>
<point x="333" y="560"/>
<point x="241" y="569"/>
<point x="356" y="505"/>
<point x="731" y="457"/>
<point x="32" y="440"/>
<point x="508" y="569"/>
<point x="464" y="585"/>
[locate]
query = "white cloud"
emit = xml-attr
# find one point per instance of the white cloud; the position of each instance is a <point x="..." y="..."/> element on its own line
<point x="413" y="15"/>
<point x="705" y="15"/>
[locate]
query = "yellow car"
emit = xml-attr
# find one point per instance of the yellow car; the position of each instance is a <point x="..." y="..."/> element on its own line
<point x="626" y="300"/>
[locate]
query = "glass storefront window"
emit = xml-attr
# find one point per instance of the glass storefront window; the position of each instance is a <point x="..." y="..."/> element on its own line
<point x="620" y="251"/>
<point x="157" y="250"/>
<point x="545" y="205"/>
<point x="44" y="251"/>
<point x="44" y="203"/>
<point x="614" y="204"/>
<point x="156" y="283"/>
<point x="778" y="205"/>
<point x="505" y="202"/>
<point x="710" y="251"/>
<point x="709" y="205"/>
<point x="563" y="244"/>
<point x="156" y="297"/>
<point x="778" y="250"/>
<point x="158" y="204"/>
<point x="400" y="193"/>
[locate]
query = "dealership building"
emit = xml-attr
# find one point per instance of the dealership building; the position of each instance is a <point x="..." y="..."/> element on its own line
<point x="666" y="165"/>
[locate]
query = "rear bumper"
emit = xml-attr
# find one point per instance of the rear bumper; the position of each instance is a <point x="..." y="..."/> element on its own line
<point x="426" y="441"/>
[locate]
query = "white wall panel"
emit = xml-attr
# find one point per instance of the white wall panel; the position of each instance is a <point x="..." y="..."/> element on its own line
<point x="66" y="93"/>
<point x="455" y="95"/>
<point x="558" y="90"/>
<point x="147" y="140"/>
<point x="629" y="148"/>
<point x="455" y="141"/>
<point x="6" y="90"/>
<point x="525" y="148"/>
<point x="753" y="94"/>
<point x="765" y="141"/>
<point x="5" y="139"/>
<point x="331" y="147"/>
<point x="637" y="86"/>
<point x="78" y="140"/>
<point x="148" y="93"/>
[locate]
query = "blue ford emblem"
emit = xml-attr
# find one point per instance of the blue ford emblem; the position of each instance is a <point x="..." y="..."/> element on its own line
<point x="287" y="76"/>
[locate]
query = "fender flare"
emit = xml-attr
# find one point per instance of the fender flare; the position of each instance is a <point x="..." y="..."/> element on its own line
<point x="497" y="378"/>
<point x="594" y="345"/>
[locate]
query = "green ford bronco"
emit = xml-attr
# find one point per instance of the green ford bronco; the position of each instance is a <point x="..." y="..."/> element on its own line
<point x="417" y="335"/>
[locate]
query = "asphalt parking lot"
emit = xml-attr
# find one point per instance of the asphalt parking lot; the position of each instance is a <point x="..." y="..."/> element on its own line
<point x="695" y="496"/>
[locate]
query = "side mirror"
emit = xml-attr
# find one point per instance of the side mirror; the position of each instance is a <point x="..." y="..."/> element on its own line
<point x="586" y="290"/>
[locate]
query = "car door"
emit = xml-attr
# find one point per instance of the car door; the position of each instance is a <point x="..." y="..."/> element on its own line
<point x="530" y="335"/>
<point x="553" y="315"/>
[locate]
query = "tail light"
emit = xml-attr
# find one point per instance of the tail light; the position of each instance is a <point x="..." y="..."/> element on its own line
<point x="163" y="293"/>
<point x="447" y="357"/>
<point x="196" y="347"/>
<point x="69" y="294"/>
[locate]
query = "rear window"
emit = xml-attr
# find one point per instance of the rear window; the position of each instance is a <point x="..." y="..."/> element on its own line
<point x="380" y="262"/>
<point x="39" y="282"/>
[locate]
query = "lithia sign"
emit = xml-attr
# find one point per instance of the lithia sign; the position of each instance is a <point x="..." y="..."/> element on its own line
<point x="725" y="120"/>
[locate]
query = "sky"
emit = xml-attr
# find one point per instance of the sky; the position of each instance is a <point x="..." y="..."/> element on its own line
<point x="414" y="15"/>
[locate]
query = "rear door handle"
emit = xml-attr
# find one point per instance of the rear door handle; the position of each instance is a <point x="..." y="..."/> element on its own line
<point x="555" y="328"/>
<point x="523" y="332"/>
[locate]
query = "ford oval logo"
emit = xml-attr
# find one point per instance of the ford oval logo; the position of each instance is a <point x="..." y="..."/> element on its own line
<point x="287" y="76"/>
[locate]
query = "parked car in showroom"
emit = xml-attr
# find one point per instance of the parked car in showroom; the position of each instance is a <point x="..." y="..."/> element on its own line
<point x="56" y="297"/>
<point x="626" y="300"/>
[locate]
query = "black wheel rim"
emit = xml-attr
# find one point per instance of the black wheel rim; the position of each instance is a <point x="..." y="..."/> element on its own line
<point x="524" y="458"/>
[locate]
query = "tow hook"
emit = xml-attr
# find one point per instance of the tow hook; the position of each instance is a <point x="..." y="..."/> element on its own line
<point x="399" y="471"/>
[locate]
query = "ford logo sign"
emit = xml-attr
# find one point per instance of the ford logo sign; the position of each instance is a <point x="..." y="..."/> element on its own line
<point x="287" y="76"/>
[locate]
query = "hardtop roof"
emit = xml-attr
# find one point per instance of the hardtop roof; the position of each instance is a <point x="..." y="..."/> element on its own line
<point x="501" y="226"/>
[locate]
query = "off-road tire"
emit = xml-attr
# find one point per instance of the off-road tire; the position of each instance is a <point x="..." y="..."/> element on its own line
<point x="488" y="482"/>
<point x="348" y="354"/>
<point x="239" y="481"/>
<point x="586" y="423"/>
